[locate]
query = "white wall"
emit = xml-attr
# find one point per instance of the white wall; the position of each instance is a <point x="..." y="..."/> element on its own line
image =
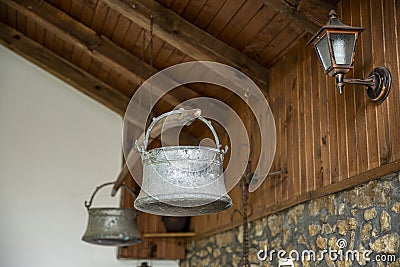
<point x="56" y="145"/>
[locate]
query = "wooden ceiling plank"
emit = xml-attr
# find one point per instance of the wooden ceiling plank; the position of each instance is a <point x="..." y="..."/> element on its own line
<point x="130" y="88"/>
<point x="253" y="27"/>
<point x="164" y="54"/>
<point x="110" y="23"/>
<point x="193" y="9"/>
<point x="208" y="13"/>
<point x="188" y="38"/>
<point x="40" y="35"/>
<point x="30" y="29"/>
<point x="166" y="3"/>
<point x="65" y="6"/>
<point x="88" y="11"/>
<point x="68" y="29"/>
<point x="103" y="73"/>
<point x="224" y="16"/>
<point x="267" y="34"/>
<point x="98" y="18"/>
<point x="58" y="45"/>
<point x="176" y="57"/>
<point x="85" y="61"/>
<point x="112" y="77"/>
<point x="122" y="83"/>
<point x="56" y="2"/>
<point x="62" y="69"/>
<point x="310" y="15"/>
<point x="131" y="37"/>
<point x="11" y="17"/>
<point x="94" y="67"/>
<point x="21" y="23"/>
<point x="76" y="9"/>
<point x="3" y="12"/>
<point x="49" y="40"/>
<point x="121" y="31"/>
<point x="240" y="20"/>
<point x="152" y="52"/>
<point x="289" y="47"/>
<point x="274" y="47"/>
<point x="77" y="55"/>
<point x="67" y="51"/>
<point x="178" y="6"/>
<point x="103" y="50"/>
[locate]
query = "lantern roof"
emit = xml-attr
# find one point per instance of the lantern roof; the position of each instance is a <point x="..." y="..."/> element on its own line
<point x="334" y="23"/>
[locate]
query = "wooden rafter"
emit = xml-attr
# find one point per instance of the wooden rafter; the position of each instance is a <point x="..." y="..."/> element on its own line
<point x="99" y="47"/>
<point x="187" y="37"/>
<point x="310" y="15"/>
<point x="63" y="69"/>
<point x="72" y="75"/>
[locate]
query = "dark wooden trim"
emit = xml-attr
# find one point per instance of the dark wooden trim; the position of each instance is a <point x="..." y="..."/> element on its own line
<point x="187" y="37"/>
<point x="63" y="69"/>
<point x="169" y="235"/>
<point x="306" y="196"/>
<point x="310" y="15"/>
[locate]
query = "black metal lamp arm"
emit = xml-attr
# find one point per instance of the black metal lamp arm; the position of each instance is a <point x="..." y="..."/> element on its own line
<point x="378" y="83"/>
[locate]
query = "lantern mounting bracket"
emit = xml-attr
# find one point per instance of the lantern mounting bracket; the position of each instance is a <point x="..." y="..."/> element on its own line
<point x="377" y="84"/>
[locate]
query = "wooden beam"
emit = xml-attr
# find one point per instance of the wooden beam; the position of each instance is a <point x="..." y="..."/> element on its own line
<point x="99" y="47"/>
<point x="74" y="76"/>
<point x="187" y="37"/>
<point x="310" y="15"/>
<point x="63" y="69"/>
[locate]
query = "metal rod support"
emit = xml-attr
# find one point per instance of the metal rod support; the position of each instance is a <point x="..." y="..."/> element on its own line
<point x="366" y="82"/>
<point x="377" y="84"/>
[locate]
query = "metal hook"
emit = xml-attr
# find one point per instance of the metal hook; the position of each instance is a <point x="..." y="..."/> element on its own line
<point x="236" y="211"/>
<point x="88" y="204"/>
<point x="241" y="213"/>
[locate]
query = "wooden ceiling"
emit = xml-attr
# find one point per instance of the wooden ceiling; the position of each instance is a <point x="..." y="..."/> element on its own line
<point x="97" y="45"/>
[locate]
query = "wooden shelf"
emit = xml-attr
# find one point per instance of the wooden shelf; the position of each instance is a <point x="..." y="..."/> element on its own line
<point x="170" y="235"/>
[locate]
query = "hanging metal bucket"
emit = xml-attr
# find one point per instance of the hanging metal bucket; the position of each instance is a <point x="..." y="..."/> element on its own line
<point x="182" y="180"/>
<point x="111" y="226"/>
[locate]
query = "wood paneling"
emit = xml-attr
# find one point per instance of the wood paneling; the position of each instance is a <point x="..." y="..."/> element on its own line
<point x="41" y="56"/>
<point x="327" y="142"/>
<point x="162" y="247"/>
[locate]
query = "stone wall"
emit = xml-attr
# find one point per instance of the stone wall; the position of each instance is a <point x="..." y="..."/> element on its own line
<point x="359" y="220"/>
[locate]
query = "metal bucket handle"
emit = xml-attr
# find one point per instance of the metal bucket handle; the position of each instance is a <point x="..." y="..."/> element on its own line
<point x="179" y="111"/>
<point x="88" y="204"/>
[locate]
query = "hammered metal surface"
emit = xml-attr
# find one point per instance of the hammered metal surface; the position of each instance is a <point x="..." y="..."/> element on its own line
<point x="183" y="204"/>
<point x="112" y="227"/>
<point x="183" y="181"/>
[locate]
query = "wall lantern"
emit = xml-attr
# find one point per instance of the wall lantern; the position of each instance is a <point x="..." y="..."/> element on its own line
<point x="335" y="45"/>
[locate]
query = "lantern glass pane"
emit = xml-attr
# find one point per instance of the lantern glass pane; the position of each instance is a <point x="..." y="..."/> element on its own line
<point x="343" y="45"/>
<point x="322" y="48"/>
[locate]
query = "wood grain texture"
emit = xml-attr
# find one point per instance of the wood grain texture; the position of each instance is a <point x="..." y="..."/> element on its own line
<point x="188" y="38"/>
<point x="161" y="247"/>
<point x="71" y="74"/>
<point x="310" y="15"/>
<point x="329" y="142"/>
<point x="99" y="50"/>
